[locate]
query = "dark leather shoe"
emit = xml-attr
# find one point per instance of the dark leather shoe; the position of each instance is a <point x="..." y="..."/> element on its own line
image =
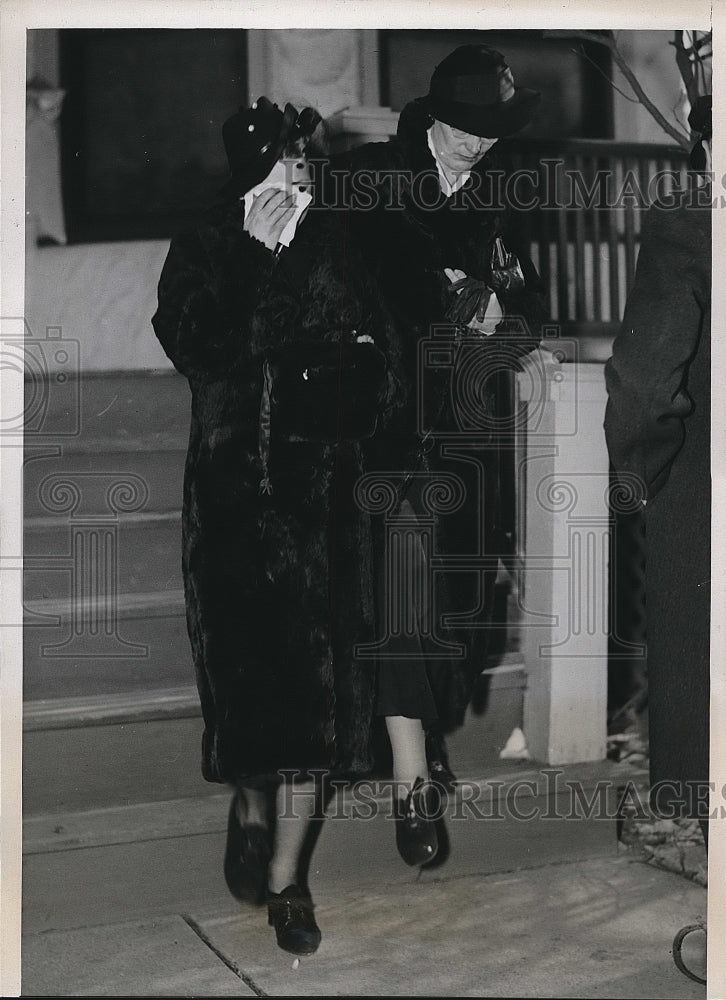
<point x="246" y="859"/>
<point x="416" y="817"/>
<point x="290" y="912"/>
<point x="438" y="761"/>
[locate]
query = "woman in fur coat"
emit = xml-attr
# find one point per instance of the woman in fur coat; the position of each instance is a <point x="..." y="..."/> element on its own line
<point x="276" y="549"/>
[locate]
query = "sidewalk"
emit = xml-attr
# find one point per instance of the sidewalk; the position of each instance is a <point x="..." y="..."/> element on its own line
<point x="598" y="928"/>
<point x="131" y="902"/>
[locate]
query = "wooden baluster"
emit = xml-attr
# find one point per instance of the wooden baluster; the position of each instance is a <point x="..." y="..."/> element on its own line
<point x="596" y="254"/>
<point x="544" y="233"/>
<point x="563" y="312"/>
<point x="612" y="239"/>
<point x="631" y="170"/>
<point x="579" y="255"/>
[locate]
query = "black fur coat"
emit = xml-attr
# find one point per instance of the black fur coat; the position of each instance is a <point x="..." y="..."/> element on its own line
<point x="278" y="587"/>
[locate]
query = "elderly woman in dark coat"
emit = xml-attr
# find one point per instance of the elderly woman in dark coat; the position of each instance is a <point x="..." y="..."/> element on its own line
<point x="254" y="307"/>
<point x="432" y="211"/>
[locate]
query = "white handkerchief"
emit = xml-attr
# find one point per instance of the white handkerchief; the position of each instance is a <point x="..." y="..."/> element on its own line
<point x="492" y="316"/>
<point x="302" y="200"/>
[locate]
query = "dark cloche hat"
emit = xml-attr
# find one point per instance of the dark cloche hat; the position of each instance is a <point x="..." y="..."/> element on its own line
<point x="255" y="137"/>
<point x="473" y="89"/>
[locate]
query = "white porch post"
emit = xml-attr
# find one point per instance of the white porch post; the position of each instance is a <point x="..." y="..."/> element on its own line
<point x="562" y="483"/>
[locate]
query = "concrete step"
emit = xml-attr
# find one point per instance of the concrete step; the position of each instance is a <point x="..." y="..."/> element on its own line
<point x="139" y="642"/>
<point x="108" y="411"/>
<point x="129" y="631"/>
<point x="111" y="749"/>
<point x="139" y="553"/>
<point x="149" y="649"/>
<point x="103" y="480"/>
<point x="112" y="766"/>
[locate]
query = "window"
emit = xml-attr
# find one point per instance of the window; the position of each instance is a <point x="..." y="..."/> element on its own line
<point x="141" y="140"/>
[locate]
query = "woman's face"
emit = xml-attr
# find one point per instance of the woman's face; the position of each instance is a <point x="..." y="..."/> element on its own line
<point x="458" y="151"/>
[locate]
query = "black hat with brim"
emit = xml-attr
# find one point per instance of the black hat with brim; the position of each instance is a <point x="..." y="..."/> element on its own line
<point x="254" y="139"/>
<point x="473" y="90"/>
<point x="492" y="122"/>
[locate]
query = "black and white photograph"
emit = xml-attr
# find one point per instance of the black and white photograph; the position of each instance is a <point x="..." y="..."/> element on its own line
<point x="360" y="537"/>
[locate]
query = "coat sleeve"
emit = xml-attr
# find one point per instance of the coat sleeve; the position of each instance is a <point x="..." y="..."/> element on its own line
<point x="646" y="377"/>
<point x="209" y="287"/>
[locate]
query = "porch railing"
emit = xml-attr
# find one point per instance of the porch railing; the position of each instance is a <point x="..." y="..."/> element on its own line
<point x="583" y="221"/>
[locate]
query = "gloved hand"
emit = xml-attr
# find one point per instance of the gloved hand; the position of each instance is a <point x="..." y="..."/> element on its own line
<point x="469" y="297"/>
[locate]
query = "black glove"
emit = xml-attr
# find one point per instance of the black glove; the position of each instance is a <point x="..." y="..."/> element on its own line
<point x="470" y="299"/>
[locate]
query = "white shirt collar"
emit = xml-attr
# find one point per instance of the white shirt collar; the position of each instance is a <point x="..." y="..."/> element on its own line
<point x="446" y="187"/>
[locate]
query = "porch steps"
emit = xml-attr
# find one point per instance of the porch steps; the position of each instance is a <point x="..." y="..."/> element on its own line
<point x="103" y="589"/>
<point x="111" y="714"/>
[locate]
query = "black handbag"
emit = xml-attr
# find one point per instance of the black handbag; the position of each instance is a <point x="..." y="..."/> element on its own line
<point x="320" y="391"/>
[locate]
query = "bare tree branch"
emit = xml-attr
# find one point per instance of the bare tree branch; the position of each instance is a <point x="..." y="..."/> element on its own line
<point x="682" y="138"/>
<point x="685" y="67"/>
<point x="607" y="39"/>
<point x="700" y="43"/>
<point x="581" y="51"/>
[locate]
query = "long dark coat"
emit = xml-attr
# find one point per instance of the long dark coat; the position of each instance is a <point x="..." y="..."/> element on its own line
<point x="278" y="588"/>
<point x="410" y="233"/>
<point x="657" y="425"/>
